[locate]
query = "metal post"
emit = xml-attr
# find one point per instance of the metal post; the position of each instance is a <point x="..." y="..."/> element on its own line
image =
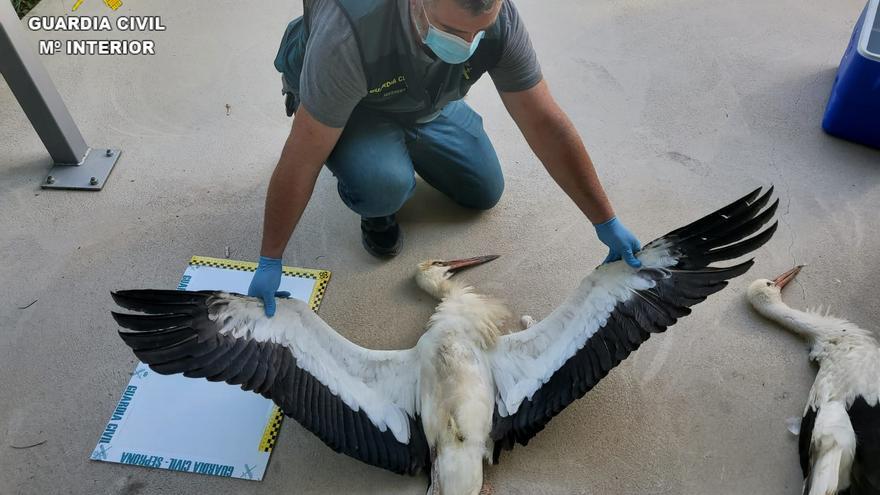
<point x="77" y="166"/>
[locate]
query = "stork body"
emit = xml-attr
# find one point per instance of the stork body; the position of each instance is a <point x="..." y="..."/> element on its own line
<point x="456" y="381"/>
<point x="839" y="440"/>
<point x="466" y="391"/>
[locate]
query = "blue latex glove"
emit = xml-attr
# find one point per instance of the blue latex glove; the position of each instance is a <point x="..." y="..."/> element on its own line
<point x="265" y="283"/>
<point x="621" y="242"/>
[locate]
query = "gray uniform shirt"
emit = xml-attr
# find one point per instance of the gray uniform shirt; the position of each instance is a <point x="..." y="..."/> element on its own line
<point x="333" y="82"/>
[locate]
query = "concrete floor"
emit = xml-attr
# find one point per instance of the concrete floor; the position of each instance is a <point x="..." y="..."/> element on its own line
<point x="684" y="105"/>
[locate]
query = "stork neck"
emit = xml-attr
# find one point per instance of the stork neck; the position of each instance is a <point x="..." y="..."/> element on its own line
<point x="800" y="322"/>
<point x="449" y="288"/>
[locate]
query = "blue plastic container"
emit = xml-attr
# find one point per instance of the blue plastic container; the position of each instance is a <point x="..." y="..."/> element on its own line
<point x="853" y="110"/>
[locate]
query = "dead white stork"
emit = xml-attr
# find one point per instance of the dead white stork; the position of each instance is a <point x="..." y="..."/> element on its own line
<point x="839" y="439"/>
<point x="465" y="391"/>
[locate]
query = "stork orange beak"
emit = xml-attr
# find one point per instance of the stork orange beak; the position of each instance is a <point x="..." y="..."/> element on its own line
<point x="456" y="266"/>
<point x="783" y="280"/>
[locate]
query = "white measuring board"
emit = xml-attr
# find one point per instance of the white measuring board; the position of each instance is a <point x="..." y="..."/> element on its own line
<point x="193" y="425"/>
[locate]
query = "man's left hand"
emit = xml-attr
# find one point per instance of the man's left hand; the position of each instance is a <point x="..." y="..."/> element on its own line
<point x="621" y="242"/>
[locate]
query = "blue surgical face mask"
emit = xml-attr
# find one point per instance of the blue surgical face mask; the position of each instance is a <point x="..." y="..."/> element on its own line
<point x="449" y="47"/>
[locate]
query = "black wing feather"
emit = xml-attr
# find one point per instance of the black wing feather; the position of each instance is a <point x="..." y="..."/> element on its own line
<point x="721" y="235"/>
<point x="176" y="336"/>
<point x="805" y="438"/>
<point x="865" y="475"/>
<point x="711" y="221"/>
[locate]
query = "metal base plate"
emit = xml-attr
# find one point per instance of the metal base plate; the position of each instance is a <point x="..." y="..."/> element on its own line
<point x="90" y="175"/>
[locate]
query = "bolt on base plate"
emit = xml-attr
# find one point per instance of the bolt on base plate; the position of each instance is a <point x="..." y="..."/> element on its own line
<point x="90" y="175"/>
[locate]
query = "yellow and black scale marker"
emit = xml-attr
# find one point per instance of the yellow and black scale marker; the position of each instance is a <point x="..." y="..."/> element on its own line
<point x="270" y="434"/>
<point x="321" y="277"/>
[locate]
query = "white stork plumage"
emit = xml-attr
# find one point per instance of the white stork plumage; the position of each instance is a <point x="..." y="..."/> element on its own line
<point x="839" y="439"/>
<point x="465" y="391"/>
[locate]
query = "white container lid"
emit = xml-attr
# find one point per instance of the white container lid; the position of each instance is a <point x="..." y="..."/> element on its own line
<point x="869" y="41"/>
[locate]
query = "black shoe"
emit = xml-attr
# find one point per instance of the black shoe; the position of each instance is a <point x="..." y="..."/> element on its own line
<point x="381" y="236"/>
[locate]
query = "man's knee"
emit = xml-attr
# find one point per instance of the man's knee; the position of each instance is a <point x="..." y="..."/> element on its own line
<point x="374" y="171"/>
<point x="482" y="192"/>
<point x="385" y="193"/>
<point x="376" y="191"/>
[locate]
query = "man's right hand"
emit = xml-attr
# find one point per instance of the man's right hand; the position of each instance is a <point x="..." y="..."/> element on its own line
<point x="265" y="283"/>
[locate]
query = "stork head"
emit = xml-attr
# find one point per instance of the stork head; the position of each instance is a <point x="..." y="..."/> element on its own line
<point x="763" y="293"/>
<point x="433" y="275"/>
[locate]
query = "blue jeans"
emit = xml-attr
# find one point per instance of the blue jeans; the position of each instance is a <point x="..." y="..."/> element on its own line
<point x="376" y="159"/>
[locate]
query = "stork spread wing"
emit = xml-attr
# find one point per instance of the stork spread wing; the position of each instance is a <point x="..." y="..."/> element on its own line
<point x="358" y="401"/>
<point x="541" y="370"/>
